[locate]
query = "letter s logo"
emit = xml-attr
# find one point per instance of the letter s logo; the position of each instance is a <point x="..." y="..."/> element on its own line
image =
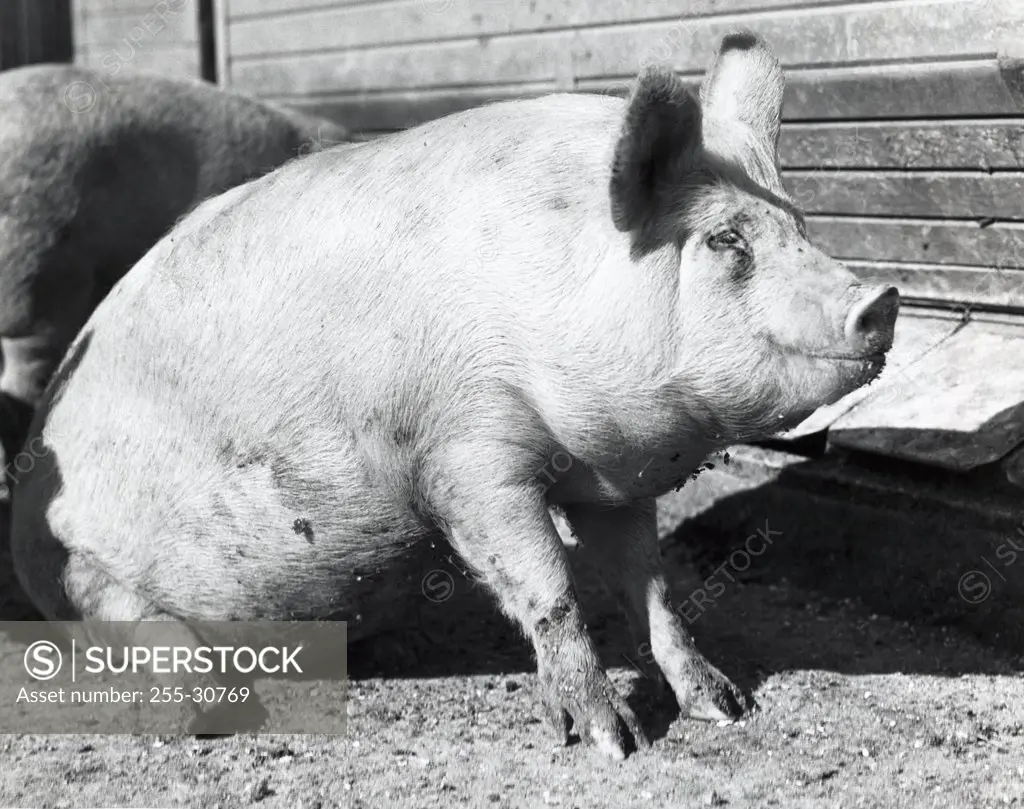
<point x="438" y="586"/>
<point x="43" y="660"/>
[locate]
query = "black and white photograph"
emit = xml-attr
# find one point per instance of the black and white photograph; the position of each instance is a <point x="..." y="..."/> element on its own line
<point x="515" y="404"/>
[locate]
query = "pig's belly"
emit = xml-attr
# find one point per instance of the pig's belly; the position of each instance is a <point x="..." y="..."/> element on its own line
<point x="238" y="529"/>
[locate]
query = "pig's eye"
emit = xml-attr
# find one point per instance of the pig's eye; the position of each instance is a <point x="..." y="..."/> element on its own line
<point x="726" y="240"/>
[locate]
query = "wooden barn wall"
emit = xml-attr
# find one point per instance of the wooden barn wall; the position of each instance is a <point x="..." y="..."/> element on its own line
<point x="152" y="36"/>
<point x="904" y="134"/>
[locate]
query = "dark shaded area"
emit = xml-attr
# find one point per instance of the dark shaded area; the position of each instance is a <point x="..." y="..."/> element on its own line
<point x="907" y="539"/>
<point x="15" y="418"/>
<point x="34" y="31"/>
<point x="115" y="223"/>
<point x="207" y="41"/>
<point x="41" y="460"/>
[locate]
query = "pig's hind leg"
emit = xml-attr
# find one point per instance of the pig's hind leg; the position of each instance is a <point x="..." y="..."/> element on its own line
<point x="623" y="542"/>
<point x="118" y="616"/>
<point x="502" y="529"/>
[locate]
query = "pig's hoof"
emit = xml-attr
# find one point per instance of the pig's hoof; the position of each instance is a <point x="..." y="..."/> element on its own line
<point x="712" y="696"/>
<point x="598" y="713"/>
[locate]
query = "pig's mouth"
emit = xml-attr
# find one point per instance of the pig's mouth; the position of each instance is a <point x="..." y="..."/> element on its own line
<point x="878" y="358"/>
<point x="848" y="370"/>
<point x="869" y="365"/>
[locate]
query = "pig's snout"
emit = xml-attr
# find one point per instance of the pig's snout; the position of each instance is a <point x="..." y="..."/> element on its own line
<point x="872" y="320"/>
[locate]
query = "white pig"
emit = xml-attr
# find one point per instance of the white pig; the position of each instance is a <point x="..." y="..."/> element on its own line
<point x="392" y="343"/>
<point x="93" y="171"/>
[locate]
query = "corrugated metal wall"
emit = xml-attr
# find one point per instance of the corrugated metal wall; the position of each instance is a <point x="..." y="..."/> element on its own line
<point x="155" y="36"/>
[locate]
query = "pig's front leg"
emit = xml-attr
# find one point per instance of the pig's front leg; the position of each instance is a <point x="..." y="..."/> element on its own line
<point x="623" y="542"/>
<point x="505" y="532"/>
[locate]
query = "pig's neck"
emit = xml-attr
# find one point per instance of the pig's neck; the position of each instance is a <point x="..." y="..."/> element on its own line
<point x="633" y="435"/>
<point x="640" y="413"/>
<point x="642" y="444"/>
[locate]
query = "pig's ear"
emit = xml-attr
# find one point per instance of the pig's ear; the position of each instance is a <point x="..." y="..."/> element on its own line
<point x="745" y="84"/>
<point x="659" y="141"/>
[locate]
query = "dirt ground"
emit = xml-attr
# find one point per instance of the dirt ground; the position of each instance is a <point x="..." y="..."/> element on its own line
<point x="854" y="710"/>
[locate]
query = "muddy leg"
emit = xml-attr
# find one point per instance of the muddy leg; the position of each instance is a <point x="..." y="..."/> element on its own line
<point x="641" y="655"/>
<point x="623" y="542"/>
<point x="505" y="532"/>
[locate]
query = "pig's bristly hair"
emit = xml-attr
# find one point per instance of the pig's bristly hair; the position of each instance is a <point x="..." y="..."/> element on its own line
<point x="738" y="153"/>
<point x="737" y="156"/>
<point x="741" y="99"/>
<point x="745" y="85"/>
<point x="746" y="166"/>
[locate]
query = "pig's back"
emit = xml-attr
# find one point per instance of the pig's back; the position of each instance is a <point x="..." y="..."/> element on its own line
<point x="370" y="264"/>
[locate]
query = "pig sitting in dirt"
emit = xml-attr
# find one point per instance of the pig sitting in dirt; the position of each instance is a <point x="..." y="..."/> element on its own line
<point x="390" y="344"/>
<point x="93" y="171"/>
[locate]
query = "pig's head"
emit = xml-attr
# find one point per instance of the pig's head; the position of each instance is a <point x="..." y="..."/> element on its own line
<point x="769" y="328"/>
